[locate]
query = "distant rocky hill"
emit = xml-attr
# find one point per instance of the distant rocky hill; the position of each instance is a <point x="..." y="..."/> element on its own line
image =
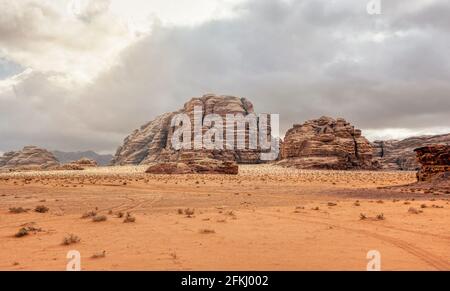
<point x="29" y="158"/>
<point x="326" y="143"/>
<point x="400" y="155"/>
<point x="67" y="157"/>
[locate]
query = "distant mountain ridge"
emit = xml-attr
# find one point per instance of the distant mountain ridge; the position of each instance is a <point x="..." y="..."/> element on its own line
<point x="67" y="157"/>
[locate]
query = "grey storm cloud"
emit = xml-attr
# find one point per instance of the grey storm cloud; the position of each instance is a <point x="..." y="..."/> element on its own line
<point x="301" y="59"/>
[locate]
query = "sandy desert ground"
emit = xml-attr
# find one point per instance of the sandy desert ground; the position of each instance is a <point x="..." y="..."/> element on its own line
<point x="266" y="218"/>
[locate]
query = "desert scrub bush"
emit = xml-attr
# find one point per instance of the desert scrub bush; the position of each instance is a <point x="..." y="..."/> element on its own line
<point x="41" y="209"/>
<point x="70" y="239"/>
<point x="189" y="212"/>
<point x="99" y="255"/>
<point x="88" y="214"/>
<point x="99" y="218"/>
<point x="362" y="216"/>
<point x="22" y="232"/>
<point x="129" y="218"/>
<point x="413" y="210"/>
<point x="380" y="216"/>
<point x="119" y="214"/>
<point x="17" y="210"/>
<point x="26" y="230"/>
<point x="207" y="231"/>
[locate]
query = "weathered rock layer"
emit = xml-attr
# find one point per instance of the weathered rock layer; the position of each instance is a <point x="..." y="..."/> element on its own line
<point x="326" y="143"/>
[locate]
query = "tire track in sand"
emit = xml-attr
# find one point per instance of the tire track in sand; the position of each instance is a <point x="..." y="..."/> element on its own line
<point x="426" y="256"/>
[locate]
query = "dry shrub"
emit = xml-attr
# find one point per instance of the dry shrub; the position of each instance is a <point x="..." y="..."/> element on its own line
<point x="17" y="210"/>
<point x="22" y="232"/>
<point x="189" y="212"/>
<point x="89" y="214"/>
<point x="129" y="218"/>
<point x="41" y="209"/>
<point x="362" y="216"/>
<point x="26" y="229"/>
<point x="413" y="210"/>
<point x="99" y="255"/>
<point x="207" y="231"/>
<point x="99" y="218"/>
<point x="71" y="239"/>
<point x="380" y="216"/>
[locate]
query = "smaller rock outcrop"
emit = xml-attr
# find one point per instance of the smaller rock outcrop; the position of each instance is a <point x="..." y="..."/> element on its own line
<point x="201" y="166"/>
<point x="79" y="165"/>
<point x="326" y="143"/>
<point x="29" y="158"/>
<point x="434" y="161"/>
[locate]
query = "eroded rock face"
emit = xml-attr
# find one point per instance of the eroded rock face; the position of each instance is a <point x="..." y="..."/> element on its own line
<point x="400" y="155"/>
<point x="152" y="142"/>
<point x="203" y="166"/>
<point x="29" y="158"/>
<point x="326" y="143"/>
<point x="434" y="161"/>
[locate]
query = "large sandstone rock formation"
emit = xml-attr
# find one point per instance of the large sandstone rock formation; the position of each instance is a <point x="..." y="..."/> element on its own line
<point x="434" y="161"/>
<point x="326" y="143"/>
<point x="400" y="155"/>
<point x="152" y="142"/>
<point x="29" y="158"/>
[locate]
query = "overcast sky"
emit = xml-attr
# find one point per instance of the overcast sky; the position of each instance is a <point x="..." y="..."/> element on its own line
<point x="80" y="74"/>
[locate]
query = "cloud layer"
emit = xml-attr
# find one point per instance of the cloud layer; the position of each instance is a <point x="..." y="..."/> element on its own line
<point x="299" y="58"/>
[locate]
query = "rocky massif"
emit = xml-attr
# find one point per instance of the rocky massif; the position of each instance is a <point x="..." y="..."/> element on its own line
<point x="434" y="161"/>
<point x="152" y="142"/>
<point x="326" y="143"/>
<point x="400" y="155"/>
<point x="29" y="158"/>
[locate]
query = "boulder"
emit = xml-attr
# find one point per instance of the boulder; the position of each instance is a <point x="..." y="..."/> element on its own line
<point x="326" y="143"/>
